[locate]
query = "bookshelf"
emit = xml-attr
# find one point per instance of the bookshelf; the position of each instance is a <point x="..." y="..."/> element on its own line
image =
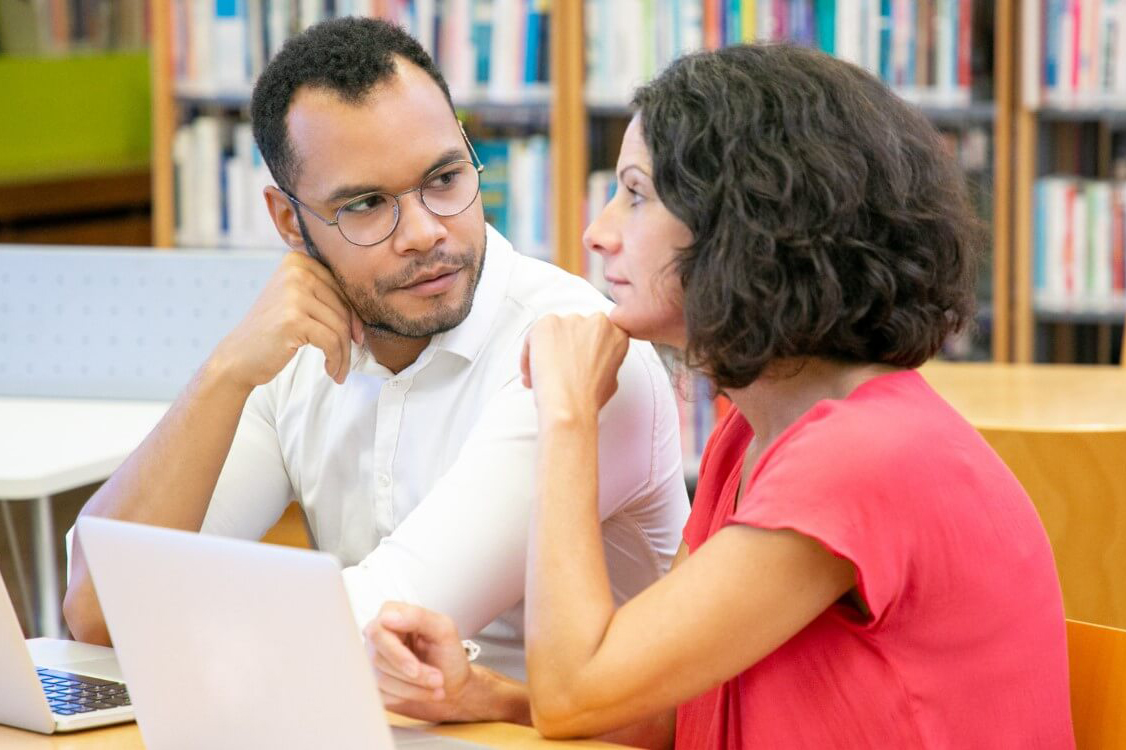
<point x="517" y="114"/>
<point x="972" y="103"/>
<point x="1069" y="280"/>
<point x="983" y="105"/>
<point x="62" y="181"/>
<point x="584" y="110"/>
<point x="573" y="111"/>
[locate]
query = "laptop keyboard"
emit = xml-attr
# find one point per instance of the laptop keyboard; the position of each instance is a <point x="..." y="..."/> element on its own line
<point x="71" y="694"/>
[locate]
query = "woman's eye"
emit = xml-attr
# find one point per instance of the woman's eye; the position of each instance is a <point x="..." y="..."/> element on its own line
<point x="634" y="196"/>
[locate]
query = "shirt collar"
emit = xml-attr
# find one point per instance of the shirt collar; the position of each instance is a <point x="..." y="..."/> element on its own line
<point x="468" y="338"/>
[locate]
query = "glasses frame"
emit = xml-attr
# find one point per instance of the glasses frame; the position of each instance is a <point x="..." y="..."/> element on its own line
<point x="473" y="161"/>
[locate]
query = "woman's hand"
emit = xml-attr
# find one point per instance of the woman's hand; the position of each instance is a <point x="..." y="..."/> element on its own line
<point x="572" y="364"/>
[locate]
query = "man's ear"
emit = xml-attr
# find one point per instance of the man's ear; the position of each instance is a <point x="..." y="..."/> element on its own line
<point x="284" y="214"/>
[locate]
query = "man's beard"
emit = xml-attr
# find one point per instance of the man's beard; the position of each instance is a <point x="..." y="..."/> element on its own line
<point x="381" y="319"/>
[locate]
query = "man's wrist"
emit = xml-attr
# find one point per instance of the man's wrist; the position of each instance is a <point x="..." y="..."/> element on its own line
<point x="219" y="376"/>
<point x="491" y="696"/>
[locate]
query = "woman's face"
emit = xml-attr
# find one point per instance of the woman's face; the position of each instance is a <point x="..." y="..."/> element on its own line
<point x="638" y="239"/>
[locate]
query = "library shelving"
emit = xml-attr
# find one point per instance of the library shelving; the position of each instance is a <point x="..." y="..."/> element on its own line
<point x="59" y="183"/>
<point x="952" y="58"/>
<point x="1069" y="280"/>
<point x="955" y="59"/>
<point x="207" y="55"/>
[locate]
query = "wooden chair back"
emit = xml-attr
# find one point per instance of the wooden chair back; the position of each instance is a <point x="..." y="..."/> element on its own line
<point x="1077" y="480"/>
<point x="1097" y="664"/>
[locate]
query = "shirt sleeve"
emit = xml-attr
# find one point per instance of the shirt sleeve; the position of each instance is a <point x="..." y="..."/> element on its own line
<point x="843" y="485"/>
<point x="462" y="550"/>
<point x="253" y="488"/>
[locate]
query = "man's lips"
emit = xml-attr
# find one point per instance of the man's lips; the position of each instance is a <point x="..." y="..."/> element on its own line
<point x="430" y="275"/>
<point x="433" y="282"/>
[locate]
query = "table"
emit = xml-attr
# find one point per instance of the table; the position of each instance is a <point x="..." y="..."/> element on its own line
<point x="51" y="445"/>
<point x="128" y="737"/>
<point x="1070" y="397"/>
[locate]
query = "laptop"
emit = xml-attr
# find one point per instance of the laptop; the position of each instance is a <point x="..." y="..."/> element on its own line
<point x="49" y="685"/>
<point x="229" y="643"/>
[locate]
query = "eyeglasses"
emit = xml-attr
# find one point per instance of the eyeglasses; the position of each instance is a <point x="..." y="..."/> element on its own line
<point x="371" y="218"/>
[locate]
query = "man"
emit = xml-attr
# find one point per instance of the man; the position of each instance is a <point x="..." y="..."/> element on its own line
<point x="377" y="377"/>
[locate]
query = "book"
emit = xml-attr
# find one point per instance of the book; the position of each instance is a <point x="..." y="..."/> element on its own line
<point x="923" y="49"/>
<point x="1078" y="241"/>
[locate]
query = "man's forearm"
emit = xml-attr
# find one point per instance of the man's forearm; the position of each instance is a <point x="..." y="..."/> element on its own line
<point x="496" y="697"/>
<point x="167" y="481"/>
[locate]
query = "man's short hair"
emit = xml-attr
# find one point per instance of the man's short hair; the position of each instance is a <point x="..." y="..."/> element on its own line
<point x="347" y="56"/>
<point x="828" y="220"/>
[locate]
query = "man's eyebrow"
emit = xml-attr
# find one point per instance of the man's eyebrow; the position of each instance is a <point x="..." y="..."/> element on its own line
<point x="351" y="191"/>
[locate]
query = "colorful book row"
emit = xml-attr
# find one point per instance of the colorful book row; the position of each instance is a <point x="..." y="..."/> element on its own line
<point x="494" y="50"/>
<point x="59" y="27"/>
<point x="220" y="176"/>
<point x="1083" y="52"/>
<point x="699" y="409"/>
<point x="923" y="48"/>
<point x="1079" y="243"/>
<point x="514" y="191"/>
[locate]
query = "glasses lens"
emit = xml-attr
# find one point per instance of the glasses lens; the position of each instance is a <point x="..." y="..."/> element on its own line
<point x="368" y="219"/>
<point x="449" y="189"/>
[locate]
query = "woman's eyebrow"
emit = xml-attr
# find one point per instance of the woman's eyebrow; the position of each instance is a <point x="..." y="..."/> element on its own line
<point x="624" y="170"/>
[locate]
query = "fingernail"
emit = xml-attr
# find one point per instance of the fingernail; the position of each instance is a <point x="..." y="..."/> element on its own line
<point x="412" y="669"/>
<point x="392" y="617"/>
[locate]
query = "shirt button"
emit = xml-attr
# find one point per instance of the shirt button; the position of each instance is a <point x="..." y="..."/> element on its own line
<point x="394" y="384"/>
<point x="384" y="480"/>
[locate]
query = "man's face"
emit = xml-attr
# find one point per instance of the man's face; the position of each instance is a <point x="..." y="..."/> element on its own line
<point x="420" y="280"/>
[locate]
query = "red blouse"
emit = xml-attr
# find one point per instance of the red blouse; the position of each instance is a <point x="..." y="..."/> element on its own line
<point x="965" y="646"/>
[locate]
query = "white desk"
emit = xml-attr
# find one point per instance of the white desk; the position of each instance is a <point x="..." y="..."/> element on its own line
<point x="51" y="445"/>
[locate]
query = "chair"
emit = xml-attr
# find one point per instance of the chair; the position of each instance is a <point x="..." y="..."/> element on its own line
<point x="1077" y="481"/>
<point x="1097" y="664"/>
<point x="291" y="530"/>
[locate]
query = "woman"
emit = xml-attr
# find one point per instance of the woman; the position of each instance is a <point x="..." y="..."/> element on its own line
<point x="861" y="569"/>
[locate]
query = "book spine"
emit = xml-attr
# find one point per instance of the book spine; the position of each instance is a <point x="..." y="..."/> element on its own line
<point x="965" y="43"/>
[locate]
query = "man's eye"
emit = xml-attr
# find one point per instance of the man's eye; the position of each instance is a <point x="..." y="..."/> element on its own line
<point x="443" y="180"/>
<point x="365" y="204"/>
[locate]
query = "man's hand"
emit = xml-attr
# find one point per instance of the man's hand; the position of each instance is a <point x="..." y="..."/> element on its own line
<point x="301" y="304"/>
<point x="423" y="671"/>
<point x="420" y="663"/>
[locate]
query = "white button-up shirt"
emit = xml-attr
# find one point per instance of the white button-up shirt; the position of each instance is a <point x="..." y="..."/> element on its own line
<point x="422" y="482"/>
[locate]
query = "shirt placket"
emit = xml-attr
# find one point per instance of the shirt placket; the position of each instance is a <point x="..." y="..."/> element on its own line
<point x="391" y="399"/>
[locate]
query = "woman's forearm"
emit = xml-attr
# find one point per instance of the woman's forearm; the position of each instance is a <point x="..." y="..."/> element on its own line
<point x="568" y="600"/>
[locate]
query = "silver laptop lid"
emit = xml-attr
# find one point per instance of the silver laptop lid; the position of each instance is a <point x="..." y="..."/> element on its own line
<point x="227" y="643"/>
<point x="22" y="702"/>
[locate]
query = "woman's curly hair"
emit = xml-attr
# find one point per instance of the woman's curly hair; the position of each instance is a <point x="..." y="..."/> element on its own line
<point x="827" y="217"/>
